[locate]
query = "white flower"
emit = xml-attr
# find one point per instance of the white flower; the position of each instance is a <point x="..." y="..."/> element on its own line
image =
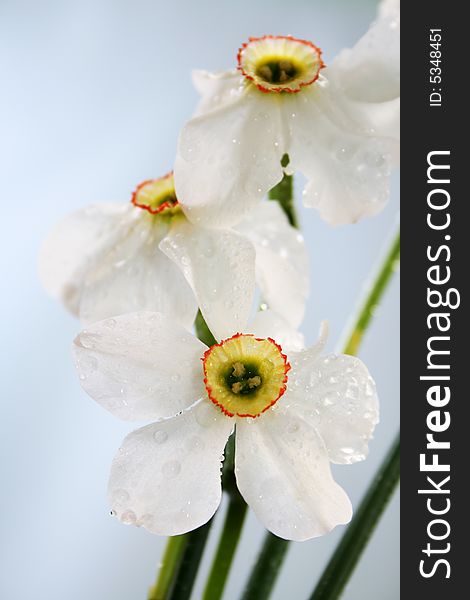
<point x="388" y="8"/>
<point x="293" y="412"/>
<point x="337" y="124"/>
<point x="368" y="77"/>
<point x="111" y="259"/>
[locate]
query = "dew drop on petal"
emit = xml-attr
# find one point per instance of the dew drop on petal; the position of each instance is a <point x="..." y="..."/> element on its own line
<point x="128" y="517"/>
<point x="171" y="469"/>
<point x="205" y="415"/>
<point x="195" y="443"/>
<point x="146" y="521"/>
<point x="330" y="399"/>
<point x="160" y="436"/>
<point x="293" y="427"/>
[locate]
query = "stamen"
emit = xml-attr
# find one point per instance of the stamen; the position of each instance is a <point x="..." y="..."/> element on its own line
<point x="280" y="63"/>
<point x="254" y="382"/>
<point x="238" y="369"/>
<point x="245" y="375"/>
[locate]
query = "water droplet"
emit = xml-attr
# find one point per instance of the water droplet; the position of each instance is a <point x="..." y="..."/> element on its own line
<point x="189" y="148"/>
<point x="128" y="517"/>
<point x="160" y="436"/>
<point x="330" y="399"/>
<point x="87" y="340"/>
<point x="146" y="521"/>
<point x="171" y="469"/>
<point x="195" y="443"/>
<point x="373" y="159"/>
<point x="345" y="153"/>
<point x="293" y="427"/>
<point x="205" y="414"/>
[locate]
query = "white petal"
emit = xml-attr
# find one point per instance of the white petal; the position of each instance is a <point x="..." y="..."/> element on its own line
<point x="140" y="366"/>
<point x="268" y="324"/>
<point x="348" y="173"/>
<point x="135" y="275"/>
<point x="228" y="159"/>
<point x="368" y="75"/>
<point x="389" y="7"/>
<point x="217" y="89"/>
<point x="166" y="476"/>
<point x="337" y="395"/>
<point x="77" y="244"/>
<point x="370" y="71"/>
<point x="283" y="473"/>
<point x="219" y="265"/>
<point x="281" y="260"/>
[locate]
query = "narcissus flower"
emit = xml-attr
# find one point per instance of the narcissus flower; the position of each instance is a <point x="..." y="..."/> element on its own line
<point x="293" y="412"/>
<point x="337" y="124"/>
<point x="110" y="259"/>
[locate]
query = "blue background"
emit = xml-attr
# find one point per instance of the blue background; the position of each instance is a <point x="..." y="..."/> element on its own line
<point x="94" y="94"/>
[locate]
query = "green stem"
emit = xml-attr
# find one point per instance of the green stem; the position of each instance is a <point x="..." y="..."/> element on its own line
<point x="185" y="575"/>
<point x="377" y="290"/>
<point x="283" y="193"/>
<point x="353" y="542"/>
<point x="268" y="565"/>
<point x="273" y="550"/>
<point x="170" y="563"/>
<point x="232" y="528"/>
<point x="229" y="537"/>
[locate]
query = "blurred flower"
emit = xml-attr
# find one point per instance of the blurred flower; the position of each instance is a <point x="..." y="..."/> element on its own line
<point x="293" y="412"/>
<point x="111" y="259"/>
<point x="338" y="125"/>
<point x="389" y="8"/>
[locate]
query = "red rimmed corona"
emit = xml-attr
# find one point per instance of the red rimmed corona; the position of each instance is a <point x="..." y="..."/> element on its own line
<point x="245" y="375"/>
<point x="157" y="196"/>
<point x="280" y="63"/>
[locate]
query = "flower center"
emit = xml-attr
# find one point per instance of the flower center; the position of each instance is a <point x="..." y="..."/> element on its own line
<point x="280" y="63"/>
<point x="278" y="70"/>
<point x="245" y="375"/>
<point x="157" y="196"/>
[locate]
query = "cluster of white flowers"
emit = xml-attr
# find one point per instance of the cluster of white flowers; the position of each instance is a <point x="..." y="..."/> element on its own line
<point x="203" y="236"/>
